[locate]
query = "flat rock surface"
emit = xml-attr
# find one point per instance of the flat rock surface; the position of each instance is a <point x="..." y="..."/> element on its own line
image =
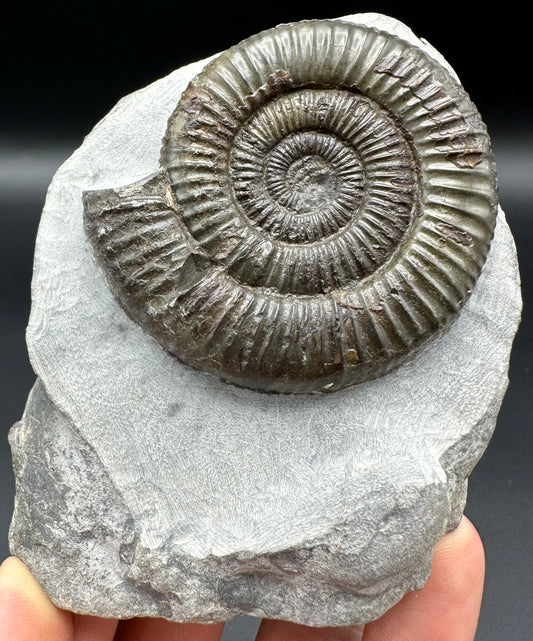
<point x="170" y="493"/>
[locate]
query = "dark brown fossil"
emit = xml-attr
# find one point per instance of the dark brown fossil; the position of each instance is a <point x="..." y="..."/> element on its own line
<point x="325" y="204"/>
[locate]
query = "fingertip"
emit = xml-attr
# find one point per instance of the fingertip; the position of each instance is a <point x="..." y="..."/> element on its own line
<point x="459" y="559"/>
<point x="448" y="605"/>
<point x="9" y="563"/>
<point x="25" y="610"/>
<point x="465" y="534"/>
<point x="151" y="628"/>
<point x="472" y="538"/>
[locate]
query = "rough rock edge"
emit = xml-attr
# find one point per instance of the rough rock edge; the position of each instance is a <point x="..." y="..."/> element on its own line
<point x="88" y="521"/>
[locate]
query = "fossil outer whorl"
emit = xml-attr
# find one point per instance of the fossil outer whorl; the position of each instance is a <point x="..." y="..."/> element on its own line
<point x="326" y="203"/>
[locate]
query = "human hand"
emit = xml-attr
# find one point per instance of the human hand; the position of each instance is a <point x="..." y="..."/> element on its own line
<point x="446" y="608"/>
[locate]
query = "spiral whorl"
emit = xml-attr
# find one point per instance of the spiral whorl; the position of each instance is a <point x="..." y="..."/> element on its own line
<point x="333" y="201"/>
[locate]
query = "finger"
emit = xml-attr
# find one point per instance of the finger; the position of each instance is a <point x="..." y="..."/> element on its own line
<point x="89" y="628"/>
<point x="26" y="613"/>
<point x="272" y="630"/>
<point x="162" y="630"/>
<point x="447" y="607"/>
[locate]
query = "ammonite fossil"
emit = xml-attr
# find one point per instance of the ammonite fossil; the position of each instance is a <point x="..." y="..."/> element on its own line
<point x="325" y="204"/>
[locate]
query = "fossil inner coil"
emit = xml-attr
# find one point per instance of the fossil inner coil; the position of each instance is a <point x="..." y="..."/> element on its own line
<point x="320" y="188"/>
<point x="332" y="204"/>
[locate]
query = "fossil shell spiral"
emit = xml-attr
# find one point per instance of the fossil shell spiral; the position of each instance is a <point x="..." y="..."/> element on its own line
<point x="325" y="204"/>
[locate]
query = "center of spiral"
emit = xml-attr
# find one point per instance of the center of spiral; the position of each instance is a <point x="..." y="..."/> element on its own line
<point x="305" y="186"/>
<point x="312" y="183"/>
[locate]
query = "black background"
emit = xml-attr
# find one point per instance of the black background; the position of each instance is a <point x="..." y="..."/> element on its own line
<point x="66" y="64"/>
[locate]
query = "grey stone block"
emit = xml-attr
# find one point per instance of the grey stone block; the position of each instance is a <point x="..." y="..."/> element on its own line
<point x="146" y="488"/>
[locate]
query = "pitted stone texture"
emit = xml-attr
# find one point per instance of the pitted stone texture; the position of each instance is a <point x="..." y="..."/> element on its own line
<point x="145" y="488"/>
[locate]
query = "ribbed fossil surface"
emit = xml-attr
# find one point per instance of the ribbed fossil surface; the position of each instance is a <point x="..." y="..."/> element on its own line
<point x="325" y="204"/>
